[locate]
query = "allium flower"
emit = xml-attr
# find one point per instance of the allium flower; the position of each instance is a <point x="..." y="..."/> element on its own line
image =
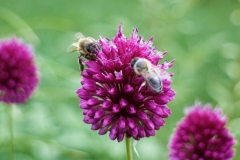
<point x="114" y="99"/>
<point x="202" y="135"/>
<point x="18" y="73"/>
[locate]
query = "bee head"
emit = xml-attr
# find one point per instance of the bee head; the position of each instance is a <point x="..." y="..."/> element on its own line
<point x="134" y="60"/>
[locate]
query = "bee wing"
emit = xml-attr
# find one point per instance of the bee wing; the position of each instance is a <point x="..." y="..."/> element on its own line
<point x="78" y="36"/>
<point x="153" y="79"/>
<point x="72" y="48"/>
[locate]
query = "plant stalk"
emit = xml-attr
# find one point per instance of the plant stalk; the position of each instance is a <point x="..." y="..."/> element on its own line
<point x="128" y="148"/>
<point x="10" y="125"/>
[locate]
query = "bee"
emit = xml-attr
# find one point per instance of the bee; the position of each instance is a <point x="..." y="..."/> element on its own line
<point x="150" y="73"/>
<point x="86" y="46"/>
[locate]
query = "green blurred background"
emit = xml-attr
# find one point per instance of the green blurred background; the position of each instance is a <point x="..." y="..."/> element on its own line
<point x="203" y="36"/>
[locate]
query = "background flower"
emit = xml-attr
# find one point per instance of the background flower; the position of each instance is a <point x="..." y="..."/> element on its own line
<point x="114" y="99"/>
<point x="18" y="73"/>
<point x="202" y="135"/>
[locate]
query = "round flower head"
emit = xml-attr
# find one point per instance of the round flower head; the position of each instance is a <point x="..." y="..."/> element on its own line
<point x="115" y="99"/>
<point x="18" y="73"/>
<point x="202" y="135"/>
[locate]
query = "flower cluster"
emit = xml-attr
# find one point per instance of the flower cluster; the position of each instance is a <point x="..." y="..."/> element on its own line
<point x="115" y="99"/>
<point x="202" y="135"/>
<point x="18" y="73"/>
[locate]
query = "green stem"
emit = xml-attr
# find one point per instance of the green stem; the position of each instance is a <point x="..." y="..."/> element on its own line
<point x="10" y="115"/>
<point x="129" y="148"/>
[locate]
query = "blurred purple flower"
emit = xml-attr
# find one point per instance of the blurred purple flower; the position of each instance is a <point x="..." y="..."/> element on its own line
<point x="202" y="135"/>
<point x="18" y="73"/>
<point x="114" y="99"/>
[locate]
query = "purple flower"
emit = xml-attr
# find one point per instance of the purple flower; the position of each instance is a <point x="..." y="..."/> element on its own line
<point x="115" y="99"/>
<point x="202" y="135"/>
<point x="18" y="73"/>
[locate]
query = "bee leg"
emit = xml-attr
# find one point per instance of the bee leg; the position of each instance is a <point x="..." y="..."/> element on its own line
<point x="81" y="66"/>
<point x="146" y="86"/>
<point x="87" y="56"/>
<point x="91" y="56"/>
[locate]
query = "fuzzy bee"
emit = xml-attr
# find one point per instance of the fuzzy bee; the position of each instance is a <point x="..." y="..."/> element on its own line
<point x="150" y="73"/>
<point x="86" y="46"/>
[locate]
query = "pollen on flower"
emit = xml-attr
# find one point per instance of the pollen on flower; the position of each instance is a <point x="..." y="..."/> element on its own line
<point x="115" y="99"/>
<point x="18" y="73"/>
<point x="202" y="135"/>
